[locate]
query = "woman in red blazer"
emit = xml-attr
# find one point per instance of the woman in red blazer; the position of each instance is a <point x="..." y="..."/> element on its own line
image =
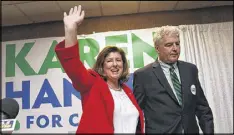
<point x="108" y="104"/>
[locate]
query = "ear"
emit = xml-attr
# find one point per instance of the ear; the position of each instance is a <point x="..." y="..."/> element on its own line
<point x="157" y="49"/>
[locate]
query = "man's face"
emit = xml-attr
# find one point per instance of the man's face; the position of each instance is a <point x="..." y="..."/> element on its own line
<point x="169" y="49"/>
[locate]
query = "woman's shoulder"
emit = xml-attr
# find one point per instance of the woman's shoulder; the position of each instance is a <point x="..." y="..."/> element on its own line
<point x="91" y="71"/>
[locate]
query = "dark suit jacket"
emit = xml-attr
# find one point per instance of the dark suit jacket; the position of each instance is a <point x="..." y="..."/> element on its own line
<point x="162" y="112"/>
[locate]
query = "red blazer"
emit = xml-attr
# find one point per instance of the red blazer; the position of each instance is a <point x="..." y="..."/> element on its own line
<point x="97" y="101"/>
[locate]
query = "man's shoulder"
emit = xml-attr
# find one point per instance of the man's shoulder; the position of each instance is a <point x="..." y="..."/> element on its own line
<point x="187" y="64"/>
<point x="144" y="69"/>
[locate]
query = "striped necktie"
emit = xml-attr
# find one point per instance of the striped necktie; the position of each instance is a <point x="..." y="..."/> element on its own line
<point x="176" y="84"/>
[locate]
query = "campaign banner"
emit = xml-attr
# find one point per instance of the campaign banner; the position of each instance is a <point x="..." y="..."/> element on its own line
<point x="32" y="74"/>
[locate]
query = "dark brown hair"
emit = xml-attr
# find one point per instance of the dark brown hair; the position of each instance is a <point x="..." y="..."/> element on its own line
<point x="98" y="66"/>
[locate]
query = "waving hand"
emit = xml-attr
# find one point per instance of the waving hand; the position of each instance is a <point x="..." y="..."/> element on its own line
<point x="71" y="21"/>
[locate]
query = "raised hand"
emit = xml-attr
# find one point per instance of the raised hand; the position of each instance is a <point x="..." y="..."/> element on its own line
<point x="74" y="18"/>
<point x="71" y="21"/>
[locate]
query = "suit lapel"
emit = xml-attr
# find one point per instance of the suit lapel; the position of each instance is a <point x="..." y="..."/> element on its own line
<point x="108" y="100"/>
<point x="157" y="70"/>
<point x="130" y="95"/>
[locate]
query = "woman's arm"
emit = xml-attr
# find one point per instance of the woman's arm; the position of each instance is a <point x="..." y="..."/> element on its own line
<point x="68" y="52"/>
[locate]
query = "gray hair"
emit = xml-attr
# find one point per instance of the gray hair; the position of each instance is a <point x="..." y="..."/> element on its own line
<point x="162" y="31"/>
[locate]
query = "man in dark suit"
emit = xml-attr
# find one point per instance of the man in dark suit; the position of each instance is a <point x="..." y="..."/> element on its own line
<point x="169" y="92"/>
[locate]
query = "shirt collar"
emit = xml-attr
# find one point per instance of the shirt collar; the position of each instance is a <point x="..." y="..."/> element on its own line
<point x="165" y="65"/>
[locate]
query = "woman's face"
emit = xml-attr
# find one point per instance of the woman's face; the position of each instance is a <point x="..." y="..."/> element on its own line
<point x="113" y="66"/>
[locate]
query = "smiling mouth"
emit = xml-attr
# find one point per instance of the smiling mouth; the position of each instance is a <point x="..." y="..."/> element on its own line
<point x="114" y="71"/>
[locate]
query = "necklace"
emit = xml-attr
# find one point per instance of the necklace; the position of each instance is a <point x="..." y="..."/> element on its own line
<point x="119" y="89"/>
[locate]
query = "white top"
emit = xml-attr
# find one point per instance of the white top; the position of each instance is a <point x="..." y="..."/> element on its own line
<point x="125" y="113"/>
